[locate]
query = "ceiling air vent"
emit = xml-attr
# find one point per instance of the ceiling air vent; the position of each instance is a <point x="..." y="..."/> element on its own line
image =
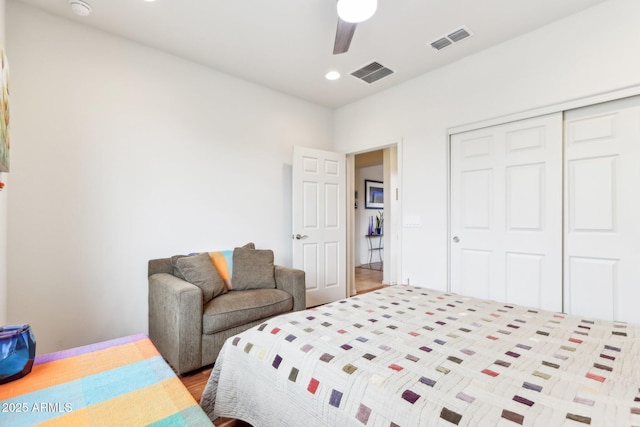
<point x="459" y="34"/>
<point x="441" y="43"/>
<point x="372" y="72"/>
<point x="451" y="38"/>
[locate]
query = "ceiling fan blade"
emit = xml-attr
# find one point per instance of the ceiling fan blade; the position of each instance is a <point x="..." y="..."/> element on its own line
<point x="344" y="34"/>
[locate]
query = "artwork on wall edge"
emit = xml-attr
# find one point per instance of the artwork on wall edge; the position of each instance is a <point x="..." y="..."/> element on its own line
<point x="373" y="194"/>
<point x="5" y="143"/>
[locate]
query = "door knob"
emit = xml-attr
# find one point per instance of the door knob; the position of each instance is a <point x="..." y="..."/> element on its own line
<point x="455" y="239"/>
<point x="299" y="236"/>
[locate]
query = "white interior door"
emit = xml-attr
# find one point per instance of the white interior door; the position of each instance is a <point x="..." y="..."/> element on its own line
<point x="506" y="212"/>
<point x="602" y="210"/>
<point x="319" y="223"/>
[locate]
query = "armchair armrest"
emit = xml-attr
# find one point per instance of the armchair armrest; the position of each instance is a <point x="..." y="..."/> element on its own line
<point x="292" y="281"/>
<point x="175" y="320"/>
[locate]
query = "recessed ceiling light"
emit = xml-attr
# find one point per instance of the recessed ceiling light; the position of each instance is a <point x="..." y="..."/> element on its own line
<point x="332" y="75"/>
<point x="80" y="8"/>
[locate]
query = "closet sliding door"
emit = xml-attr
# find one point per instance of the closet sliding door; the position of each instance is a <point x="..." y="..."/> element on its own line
<point x="602" y="210"/>
<point x="506" y="212"/>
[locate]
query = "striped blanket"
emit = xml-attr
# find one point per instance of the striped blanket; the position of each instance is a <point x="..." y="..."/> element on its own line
<point x="406" y="356"/>
<point x="122" y="382"/>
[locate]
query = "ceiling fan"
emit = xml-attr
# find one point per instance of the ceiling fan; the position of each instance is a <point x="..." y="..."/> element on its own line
<point x="350" y="13"/>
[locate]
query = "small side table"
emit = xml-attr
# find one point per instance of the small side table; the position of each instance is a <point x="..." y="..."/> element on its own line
<point x="375" y="245"/>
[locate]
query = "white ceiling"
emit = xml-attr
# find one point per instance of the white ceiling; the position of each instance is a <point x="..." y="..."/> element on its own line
<point x="287" y="44"/>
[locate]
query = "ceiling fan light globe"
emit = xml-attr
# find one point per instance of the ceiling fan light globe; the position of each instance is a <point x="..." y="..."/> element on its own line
<point x="80" y="7"/>
<point x="356" y="11"/>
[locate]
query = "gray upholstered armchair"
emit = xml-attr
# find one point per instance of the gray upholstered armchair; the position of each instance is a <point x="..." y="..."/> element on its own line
<point x="189" y="327"/>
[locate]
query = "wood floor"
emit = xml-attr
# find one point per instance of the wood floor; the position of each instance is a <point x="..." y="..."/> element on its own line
<point x="195" y="383"/>
<point x="368" y="278"/>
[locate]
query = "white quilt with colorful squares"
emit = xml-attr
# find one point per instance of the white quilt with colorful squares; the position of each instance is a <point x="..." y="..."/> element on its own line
<point x="406" y="356"/>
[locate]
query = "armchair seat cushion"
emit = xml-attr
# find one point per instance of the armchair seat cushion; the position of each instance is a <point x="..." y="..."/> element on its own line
<point x="237" y="308"/>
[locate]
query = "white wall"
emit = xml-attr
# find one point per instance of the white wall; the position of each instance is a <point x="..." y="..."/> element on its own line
<point x="588" y="53"/>
<point x="3" y="208"/>
<point x="373" y="173"/>
<point x="121" y="154"/>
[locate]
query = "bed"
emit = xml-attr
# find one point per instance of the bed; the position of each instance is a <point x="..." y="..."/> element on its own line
<point x="407" y="356"/>
<point x="121" y="382"/>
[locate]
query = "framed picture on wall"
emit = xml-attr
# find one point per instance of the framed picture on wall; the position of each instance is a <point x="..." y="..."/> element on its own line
<point x="374" y="194"/>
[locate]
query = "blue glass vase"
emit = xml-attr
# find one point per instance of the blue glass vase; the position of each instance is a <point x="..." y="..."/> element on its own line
<point x="17" y="352"/>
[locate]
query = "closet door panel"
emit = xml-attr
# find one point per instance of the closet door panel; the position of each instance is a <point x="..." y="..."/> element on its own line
<point x="524" y="276"/>
<point x="476" y="272"/>
<point x="593" y="287"/>
<point x="506" y="212"/>
<point x="525" y="197"/>
<point x="476" y="187"/>
<point x="602" y="210"/>
<point x="592" y="194"/>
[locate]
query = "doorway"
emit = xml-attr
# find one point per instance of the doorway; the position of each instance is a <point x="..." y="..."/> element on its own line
<point x="368" y="243"/>
<point x="373" y="184"/>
